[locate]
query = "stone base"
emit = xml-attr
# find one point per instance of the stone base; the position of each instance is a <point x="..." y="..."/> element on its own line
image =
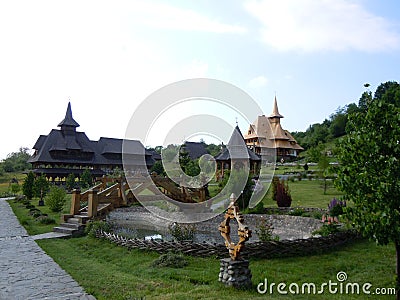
<point x="235" y="273"/>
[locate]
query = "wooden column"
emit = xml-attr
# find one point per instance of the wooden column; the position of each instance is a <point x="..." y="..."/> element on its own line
<point x="75" y="202"/>
<point x="93" y="202"/>
<point x="121" y="192"/>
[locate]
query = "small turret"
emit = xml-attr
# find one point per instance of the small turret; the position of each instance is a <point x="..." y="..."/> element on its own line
<point x="68" y="125"/>
<point x="275" y="111"/>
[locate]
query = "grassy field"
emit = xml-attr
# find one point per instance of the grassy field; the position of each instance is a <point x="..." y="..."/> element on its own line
<point x="111" y="272"/>
<point x="6" y="178"/>
<point x="31" y="224"/>
<point x="307" y="193"/>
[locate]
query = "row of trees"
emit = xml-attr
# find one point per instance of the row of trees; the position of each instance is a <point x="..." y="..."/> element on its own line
<point x="39" y="186"/>
<point x="335" y="125"/>
<point x="16" y="161"/>
<point x="189" y="166"/>
<point x="328" y="130"/>
<point x="35" y="187"/>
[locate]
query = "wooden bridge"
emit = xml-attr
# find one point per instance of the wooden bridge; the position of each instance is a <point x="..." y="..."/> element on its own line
<point x="111" y="193"/>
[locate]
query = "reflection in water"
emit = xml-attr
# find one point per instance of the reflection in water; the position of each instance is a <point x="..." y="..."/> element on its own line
<point x="158" y="234"/>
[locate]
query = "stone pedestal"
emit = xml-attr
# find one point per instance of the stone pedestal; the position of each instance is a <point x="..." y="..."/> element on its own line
<point x="235" y="273"/>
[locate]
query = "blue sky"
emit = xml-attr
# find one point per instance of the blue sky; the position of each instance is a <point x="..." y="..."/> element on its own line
<point x="107" y="57"/>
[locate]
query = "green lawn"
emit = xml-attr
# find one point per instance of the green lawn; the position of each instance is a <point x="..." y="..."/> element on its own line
<point x="307" y="193"/>
<point x="111" y="272"/>
<point x="31" y="224"/>
<point x="310" y="193"/>
<point x="6" y="178"/>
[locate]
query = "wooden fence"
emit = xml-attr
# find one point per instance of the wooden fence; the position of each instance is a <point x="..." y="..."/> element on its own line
<point x="272" y="249"/>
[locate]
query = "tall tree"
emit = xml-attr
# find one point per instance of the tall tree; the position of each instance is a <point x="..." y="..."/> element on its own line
<point x="323" y="166"/>
<point x="364" y="100"/>
<point x="41" y="188"/>
<point x="158" y="168"/>
<point x="70" y="181"/>
<point x="27" y="186"/>
<point x="86" y="179"/>
<point x="370" y="170"/>
<point x="389" y="92"/>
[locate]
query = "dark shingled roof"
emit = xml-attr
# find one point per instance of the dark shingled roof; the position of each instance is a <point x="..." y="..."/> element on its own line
<point x="195" y="150"/>
<point x="68" y="120"/>
<point x="66" y="146"/>
<point x="111" y="145"/>
<point x="237" y="149"/>
<point x="154" y="154"/>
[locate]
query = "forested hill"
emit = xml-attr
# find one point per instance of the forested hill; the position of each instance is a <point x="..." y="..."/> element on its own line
<point x="335" y="126"/>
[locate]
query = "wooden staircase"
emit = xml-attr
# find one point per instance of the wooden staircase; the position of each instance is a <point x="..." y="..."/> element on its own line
<point x="94" y="203"/>
<point x="73" y="226"/>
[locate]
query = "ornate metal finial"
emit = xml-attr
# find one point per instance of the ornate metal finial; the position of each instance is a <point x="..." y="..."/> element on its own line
<point x="244" y="232"/>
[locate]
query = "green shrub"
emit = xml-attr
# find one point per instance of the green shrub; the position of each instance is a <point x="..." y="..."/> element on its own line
<point x="93" y="226"/>
<point x="281" y="193"/>
<point x="258" y="209"/>
<point x="182" y="232"/>
<point x="24" y="222"/>
<point x="15" y="188"/>
<point x="45" y="220"/>
<point x="327" y="229"/>
<point x="316" y="215"/>
<point x="313" y="214"/>
<point x="170" y="259"/>
<point x="264" y="231"/>
<point x="34" y="212"/>
<point x="297" y="212"/>
<point x="56" y="198"/>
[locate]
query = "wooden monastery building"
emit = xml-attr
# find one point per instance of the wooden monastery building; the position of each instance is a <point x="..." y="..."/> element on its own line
<point x="267" y="138"/>
<point x="64" y="151"/>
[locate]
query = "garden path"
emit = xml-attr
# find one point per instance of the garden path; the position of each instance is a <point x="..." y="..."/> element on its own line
<point x="26" y="271"/>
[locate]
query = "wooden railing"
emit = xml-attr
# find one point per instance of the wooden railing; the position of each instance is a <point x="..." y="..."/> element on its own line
<point x="99" y="199"/>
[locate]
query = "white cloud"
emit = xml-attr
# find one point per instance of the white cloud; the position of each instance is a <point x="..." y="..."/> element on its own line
<point x="195" y="69"/>
<point x="313" y="25"/>
<point x="164" y="16"/>
<point x="258" y="82"/>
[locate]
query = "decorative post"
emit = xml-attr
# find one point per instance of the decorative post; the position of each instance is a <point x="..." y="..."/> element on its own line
<point x="92" y="203"/>
<point x="234" y="271"/>
<point x="75" y="202"/>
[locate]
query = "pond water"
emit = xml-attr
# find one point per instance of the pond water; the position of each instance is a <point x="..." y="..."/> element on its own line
<point x="146" y="232"/>
<point x="137" y="222"/>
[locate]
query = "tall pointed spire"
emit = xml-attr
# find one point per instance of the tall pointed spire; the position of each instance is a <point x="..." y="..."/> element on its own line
<point x="275" y="111"/>
<point x="68" y="120"/>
